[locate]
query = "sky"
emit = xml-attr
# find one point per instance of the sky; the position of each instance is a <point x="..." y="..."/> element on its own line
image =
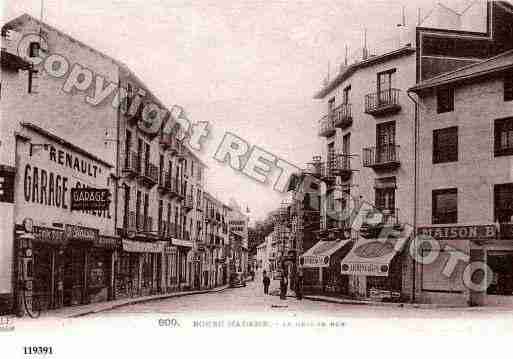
<point x="248" y="67"/>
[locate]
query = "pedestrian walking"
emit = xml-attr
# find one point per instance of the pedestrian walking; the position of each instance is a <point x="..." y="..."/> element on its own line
<point x="266" y="281"/>
<point x="284" y="283"/>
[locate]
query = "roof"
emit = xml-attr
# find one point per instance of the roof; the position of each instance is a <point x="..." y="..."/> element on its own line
<point x="64" y="143"/>
<point x="348" y="71"/>
<point x="500" y="63"/>
<point x="129" y="73"/>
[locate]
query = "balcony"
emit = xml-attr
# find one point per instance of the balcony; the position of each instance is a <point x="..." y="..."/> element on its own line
<point x="163" y="230"/>
<point x="382" y="103"/>
<point x="315" y="168"/>
<point x="327" y="126"/>
<point x="389" y="220"/>
<point x="339" y="165"/>
<point x="149" y="175"/>
<point x="164" y="182"/>
<point x="130" y="222"/>
<point x="188" y="203"/>
<point x="342" y="116"/>
<point x="132" y="166"/>
<point x="381" y="158"/>
<point x="144" y="224"/>
<point x="170" y="143"/>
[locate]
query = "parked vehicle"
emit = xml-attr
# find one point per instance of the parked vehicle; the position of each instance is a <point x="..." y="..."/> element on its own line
<point x="237" y="280"/>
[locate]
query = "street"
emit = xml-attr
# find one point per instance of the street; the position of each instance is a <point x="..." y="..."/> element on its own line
<point x="251" y="300"/>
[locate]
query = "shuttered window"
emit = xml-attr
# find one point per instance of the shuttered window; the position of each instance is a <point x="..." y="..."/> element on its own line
<point x="445" y="145"/>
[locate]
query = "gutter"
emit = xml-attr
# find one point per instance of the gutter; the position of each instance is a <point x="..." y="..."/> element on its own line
<point x="415" y="180"/>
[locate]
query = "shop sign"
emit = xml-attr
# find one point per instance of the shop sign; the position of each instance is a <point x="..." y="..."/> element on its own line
<point x="182" y="243"/>
<point x="487" y="231"/>
<point x="142" y="247"/>
<point x="107" y="242"/>
<point x="79" y="233"/>
<point x="315" y="261"/>
<point x="49" y="235"/>
<point x="90" y="199"/>
<point x="6" y="184"/>
<point x="371" y="269"/>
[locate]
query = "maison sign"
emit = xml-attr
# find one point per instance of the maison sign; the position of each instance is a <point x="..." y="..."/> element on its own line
<point x="487" y="231"/>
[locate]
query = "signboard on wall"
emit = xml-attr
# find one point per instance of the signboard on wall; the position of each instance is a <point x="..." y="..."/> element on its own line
<point x="6" y="184"/>
<point x="486" y="231"/>
<point x="89" y="199"/>
<point x="47" y="177"/>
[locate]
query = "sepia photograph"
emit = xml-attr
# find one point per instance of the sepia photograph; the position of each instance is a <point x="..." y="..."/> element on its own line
<point x="255" y="178"/>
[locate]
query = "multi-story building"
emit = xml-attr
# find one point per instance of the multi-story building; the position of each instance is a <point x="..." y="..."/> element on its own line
<point x="53" y="141"/>
<point x="465" y="190"/>
<point x="368" y="163"/>
<point x="56" y="136"/>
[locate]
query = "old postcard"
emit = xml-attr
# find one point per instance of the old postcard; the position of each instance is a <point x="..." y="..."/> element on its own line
<point x="255" y="177"/>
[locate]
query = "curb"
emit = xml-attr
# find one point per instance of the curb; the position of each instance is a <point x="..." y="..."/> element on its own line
<point x="376" y="304"/>
<point x="146" y="300"/>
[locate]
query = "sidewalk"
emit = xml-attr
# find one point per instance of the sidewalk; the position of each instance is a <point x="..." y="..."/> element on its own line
<point x="82" y="310"/>
<point x="328" y="299"/>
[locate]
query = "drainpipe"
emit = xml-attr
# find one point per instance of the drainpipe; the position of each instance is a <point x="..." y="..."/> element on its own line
<point x="415" y="179"/>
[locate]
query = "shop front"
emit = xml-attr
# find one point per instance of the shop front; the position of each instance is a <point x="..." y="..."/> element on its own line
<point x="183" y="249"/>
<point x="171" y="282"/>
<point x="375" y="269"/>
<point x="71" y="266"/>
<point x="147" y="266"/>
<point x="482" y="273"/>
<point x="321" y="267"/>
<point x="66" y="256"/>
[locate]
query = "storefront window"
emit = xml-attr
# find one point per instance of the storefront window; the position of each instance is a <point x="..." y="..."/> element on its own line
<point x="147" y="270"/>
<point x="501" y="264"/>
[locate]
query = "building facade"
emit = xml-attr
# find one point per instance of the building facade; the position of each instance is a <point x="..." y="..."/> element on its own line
<point x="465" y="193"/>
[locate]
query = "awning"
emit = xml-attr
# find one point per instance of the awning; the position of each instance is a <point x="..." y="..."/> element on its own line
<point x="319" y="255"/>
<point x="372" y="257"/>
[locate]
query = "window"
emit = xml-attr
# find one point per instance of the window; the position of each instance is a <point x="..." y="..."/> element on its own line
<point x="384" y="85"/>
<point x="160" y="223"/>
<point x="445" y="100"/>
<point x="347" y="95"/>
<point x="138" y="210"/>
<point x="503" y="202"/>
<point x="126" y="209"/>
<point x="331" y="105"/>
<point x="504" y="137"/>
<point x="445" y="145"/>
<point x="34" y="48"/>
<point x="445" y="206"/>
<point x="161" y="169"/>
<point x="385" y="198"/>
<point x="33" y="76"/>
<point x="147" y="224"/>
<point x="508" y="87"/>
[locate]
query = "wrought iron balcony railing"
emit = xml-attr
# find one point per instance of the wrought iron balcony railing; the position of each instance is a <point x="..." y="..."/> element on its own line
<point x="132" y="165"/>
<point x="149" y="175"/>
<point x="381" y="158"/>
<point x="327" y="126"/>
<point x="383" y="102"/>
<point x="342" y="116"/>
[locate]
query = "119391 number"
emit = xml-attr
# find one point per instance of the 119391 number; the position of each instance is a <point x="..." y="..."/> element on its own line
<point x="37" y="350"/>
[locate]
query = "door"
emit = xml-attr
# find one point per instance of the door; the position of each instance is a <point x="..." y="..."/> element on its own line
<point x="385" y="142"/>
<point x="384" y="85"/>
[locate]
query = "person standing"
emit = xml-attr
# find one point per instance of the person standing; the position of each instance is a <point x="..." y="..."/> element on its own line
<point x="266" y="282"/>
<point x="283" y="286"/>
